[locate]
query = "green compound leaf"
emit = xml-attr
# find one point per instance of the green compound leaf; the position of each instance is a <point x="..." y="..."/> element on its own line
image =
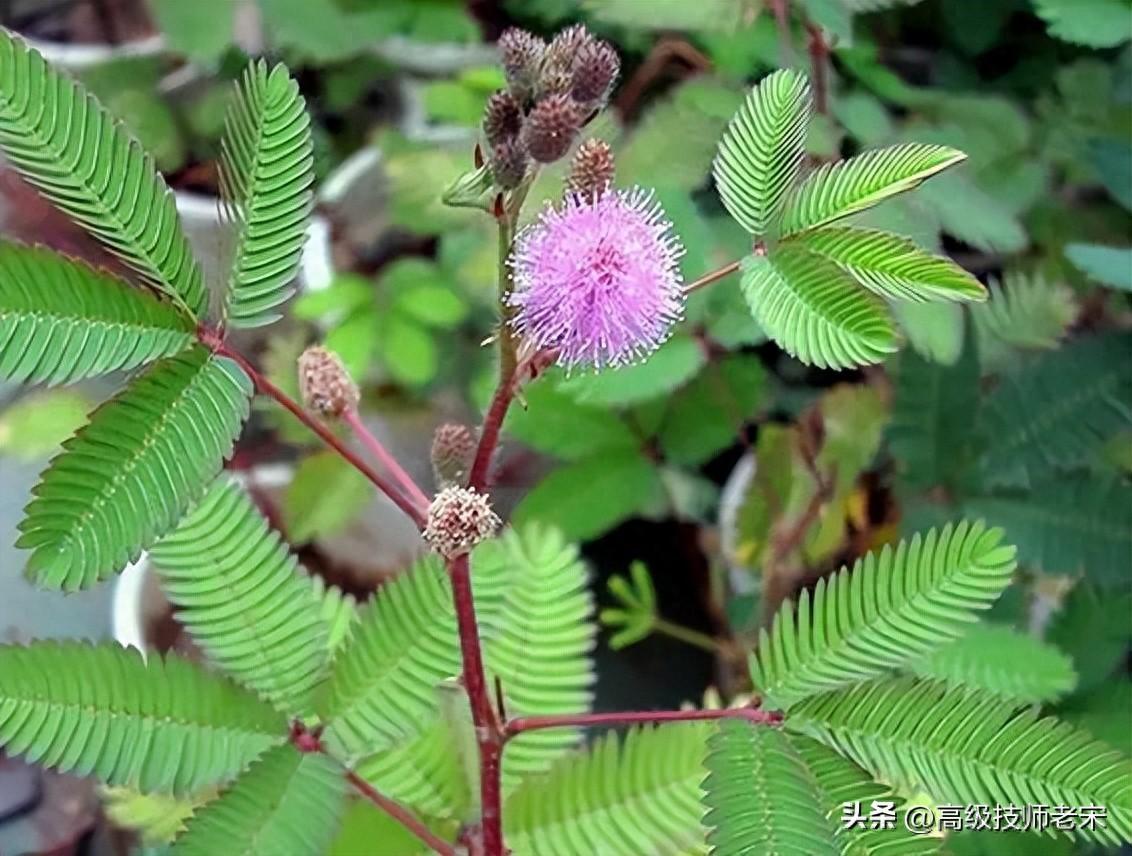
<point x="1023" y="312"/>
<point x="61" y="320"/>
<point x="1069" y="525"/>
<point x="1055" y="412"/>
<point x="1095" y="23"/>
<point x="266" y="170"/>
<point x="635" y="617"/>
<point x="893" y="266"/>
<point x="1004" y="661"/>
<point x="156" y="818"/>
<point x="816" y="312"/>
<point x="969" y="747"/>
<point x="126" y="478"/>
<point x="533" y="608"/>
<point x="761" y="151"/>
<point x="287" y="802"/>
<point x="839" y="189"/>
<point x="761" y="798"/>
<point x="94" y="172"/>
<point x="621" y="797"/>
<point x="103" y="711"/>
<point x="242" y="596"/>
<point x="891" y="609"/>
<point x="840" y="781"/>
<point x="1111" y="266"/>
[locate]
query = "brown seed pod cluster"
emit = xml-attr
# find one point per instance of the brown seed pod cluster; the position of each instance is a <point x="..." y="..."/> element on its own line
<point x="552" y="90"/>
<point x="453" y="448"/>
<point x="325" y="385"/>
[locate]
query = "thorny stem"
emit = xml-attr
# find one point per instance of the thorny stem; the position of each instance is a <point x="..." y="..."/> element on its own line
<point x="403" y="479"/>
<point x="415" y="512"/>
<point x="489" y="735"/>
<point x="401" y="814"/>
<point x="752" y="713"/>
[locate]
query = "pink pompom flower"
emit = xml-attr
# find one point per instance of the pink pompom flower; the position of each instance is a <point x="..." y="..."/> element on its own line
<point x="598" y="281"/>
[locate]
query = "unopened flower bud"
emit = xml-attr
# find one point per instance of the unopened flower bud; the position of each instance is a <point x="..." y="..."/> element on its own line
<point x="502" y="118"/>
<point x="458" y="519"/>
<point x="567" y="45"/>
<point x="521" y="54"/>
<point x="324" y="383"/>
<point x="453" y="449"/>
<point x="595" y="69"/>
<point x="550" y="128"/>
<point x="509" y="164"/>
<point x="592" y="170"/>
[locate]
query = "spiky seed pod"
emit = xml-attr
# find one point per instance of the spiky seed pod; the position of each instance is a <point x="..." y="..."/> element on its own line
<point x="453" y="449"/>
<point x="502" y="118"/>
<point x="324" y="383"/>
<point x="509" y="164"/>
<point x="521" y="54"/>
<point x="592" y="170"/>
<point x="567" y="45"/>
<point x="550" y="128"/>
<point x="595" y="70"/>
<point x="458" y="519"/>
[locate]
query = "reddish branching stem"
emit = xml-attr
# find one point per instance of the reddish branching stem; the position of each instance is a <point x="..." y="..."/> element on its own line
<point x="401" y="814"/>
<point x="375" y="448"/>
<point x="489" y="734"/>
<point x="751" y="713"/>
<point x="819" y="65"/>
<point x="489" y="433"/>
<point x="266" y="387"/>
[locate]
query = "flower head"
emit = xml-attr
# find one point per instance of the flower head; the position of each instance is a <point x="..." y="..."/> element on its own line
<point x="458" y="519"/>
<point x="598" y="279"/>
<point x="324" y="383"/>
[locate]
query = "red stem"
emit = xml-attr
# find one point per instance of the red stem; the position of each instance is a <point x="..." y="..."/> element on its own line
<point x="537" y="723"/>
<point x="401" y="814"/>
<point x="819" y="55"/>
<point x="415" y="512"/>
<point x="489" y="434"/>
<point x="351" y="418"/>
<point x="489" y="735"/>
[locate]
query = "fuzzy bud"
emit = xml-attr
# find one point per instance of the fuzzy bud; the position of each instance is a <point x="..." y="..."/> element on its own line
<point x="551" y="127"/>
<point x="453" y="449"/>
<point x="324" y="383"/>
<point x="595" y="69"/>
<point x="592" y="170"/>
<point x="521" y="54"/>
<point x="502" y="118"/>
<point x="509" y="164"/>
<point x="458" y="519"/>
<point x="566" y="46"/>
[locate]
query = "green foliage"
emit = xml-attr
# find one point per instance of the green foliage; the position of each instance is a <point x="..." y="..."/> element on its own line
<point x="1097" y="23"/>
<point x="286" y="802"/>
<point x="892" y="266"/>
<point x="761" y="152"/>
<point x="103" y="711"/>
<point x="1024" y="312"/>
<point x="676" y="362"/>
<point x="891" y="609"/>
<point x="1111" y="266"/>
<point x="933" y="412"/>
<point x="238" y="591"/>
<point x="101" y="178"/>
<point x="1068" y="525"/>
<point x="532" y="608"/>
<point x="61" y="320"/>
<point x="637" y="611"/>
<point x="265" y="177"/>
<point x="325" y="495"/>
<point x="201" y="31"/>
<point x="815" y="310"/>
<point x="837" y="190"/>
<point x="840" y="781"/>
<point x="157" y="818"/>
<point x="126" y="478"/>
<point x="1055" y="412"/>
<point x="967" y="747"/>
<point x="761" y="797"/>
<point x="39" y="423"/>
<point x="623" y="797"/>
<point x="1004" y="661"/>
